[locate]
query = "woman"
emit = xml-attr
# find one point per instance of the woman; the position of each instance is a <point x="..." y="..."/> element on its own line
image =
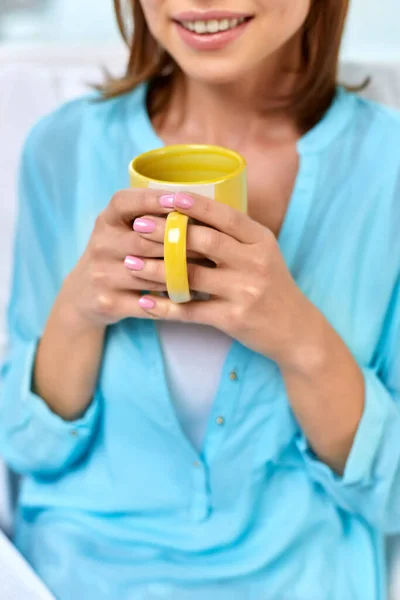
<point x="241" y="448"/>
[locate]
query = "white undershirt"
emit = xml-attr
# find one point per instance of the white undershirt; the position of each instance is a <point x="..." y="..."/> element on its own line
<point x="194" y="356"/>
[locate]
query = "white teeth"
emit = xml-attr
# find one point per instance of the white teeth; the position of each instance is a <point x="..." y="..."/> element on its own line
<point x="200" y="27"/>
<point x="212" y="26"/>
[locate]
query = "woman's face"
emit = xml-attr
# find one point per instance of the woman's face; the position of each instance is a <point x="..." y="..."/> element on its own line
<point x="213" y="42"/>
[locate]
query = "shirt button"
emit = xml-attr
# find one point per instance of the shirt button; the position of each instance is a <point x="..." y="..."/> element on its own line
<point x="74" y="433"/>
<point x="197" y="464"/>
<point x="220" y="420"/>
<point x="233" y="376"/>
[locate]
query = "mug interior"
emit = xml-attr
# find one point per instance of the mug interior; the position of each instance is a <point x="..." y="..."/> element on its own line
<point x="188" y="164"/>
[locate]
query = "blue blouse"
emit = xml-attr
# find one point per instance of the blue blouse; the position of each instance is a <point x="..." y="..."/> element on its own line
<point x="118" y="504"/>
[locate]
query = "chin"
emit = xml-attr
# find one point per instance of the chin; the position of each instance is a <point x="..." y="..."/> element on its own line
<point x="215" y="72"/>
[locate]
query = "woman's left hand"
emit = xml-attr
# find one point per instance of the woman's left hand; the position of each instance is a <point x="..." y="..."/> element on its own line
<point x="254" y="297"/>
<point x="256" y="301"/>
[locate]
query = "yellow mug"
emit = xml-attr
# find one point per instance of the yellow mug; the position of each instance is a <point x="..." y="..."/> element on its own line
<point x="211" y="171"/>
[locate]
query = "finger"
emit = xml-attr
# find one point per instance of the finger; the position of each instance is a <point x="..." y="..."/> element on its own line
<point x="204" y="313"/>
<point x="112" y="243"/>
<point x="123" y="305"/>
<point x="117" y="277"/>
<point x="219" y="216"/>
<point x="153" y="228"/>
<point x="126" y="205"/>
<point x="218" y="247"/>
<point x="215" y="282"/>
<point x="150" y="226"/>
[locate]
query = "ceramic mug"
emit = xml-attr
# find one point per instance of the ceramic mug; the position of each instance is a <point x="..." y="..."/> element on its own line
<point x="211" y="171"/>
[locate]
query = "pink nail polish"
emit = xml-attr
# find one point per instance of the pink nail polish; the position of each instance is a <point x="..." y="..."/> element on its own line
<point x="183" y="201"/>
<point x="146" y="303"/>
<point x="144" y="225"/>
<point x="167" y="200"/>
<point x="134" y="263"/>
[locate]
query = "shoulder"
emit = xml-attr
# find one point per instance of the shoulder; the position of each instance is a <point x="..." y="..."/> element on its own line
<point x="359" y="139"/>
<point x="374" y="149"/>
<point x="379" y="124"/>
<point x="370" y="163"/>
<point x="89" y="119"/>
<point x="55" y="131"/>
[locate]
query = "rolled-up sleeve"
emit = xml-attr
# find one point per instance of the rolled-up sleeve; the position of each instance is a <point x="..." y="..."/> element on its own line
<point x="33" y="439"/>
<point x="370" y="485"/>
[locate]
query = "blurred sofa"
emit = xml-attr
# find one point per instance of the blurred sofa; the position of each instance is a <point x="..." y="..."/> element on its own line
<point x="28" y="91"/>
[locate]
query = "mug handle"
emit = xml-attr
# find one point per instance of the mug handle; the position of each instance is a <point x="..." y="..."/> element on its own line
<point x="175" y="258"/>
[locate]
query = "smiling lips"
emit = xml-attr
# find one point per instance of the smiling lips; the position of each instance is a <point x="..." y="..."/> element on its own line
<point x="211" y="30"/>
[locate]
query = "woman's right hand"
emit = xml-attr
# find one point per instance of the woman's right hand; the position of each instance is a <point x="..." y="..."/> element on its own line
<point x="102" y="289"/>
<point x="99" y="291"/>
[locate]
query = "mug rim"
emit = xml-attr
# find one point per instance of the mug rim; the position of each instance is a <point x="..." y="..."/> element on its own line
<point x="176" y="149"/>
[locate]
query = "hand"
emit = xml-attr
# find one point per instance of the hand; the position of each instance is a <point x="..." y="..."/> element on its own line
<point x="254" y="297"/>
<point x="101" y="290"/>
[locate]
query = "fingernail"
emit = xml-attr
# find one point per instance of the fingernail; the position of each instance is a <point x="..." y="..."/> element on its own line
<point x="167" y="200"/>
<point x="144" y="225"/>
<point x="134" y="263"/>
<point x="146" y="302"/>
<point x="183" y="201"/>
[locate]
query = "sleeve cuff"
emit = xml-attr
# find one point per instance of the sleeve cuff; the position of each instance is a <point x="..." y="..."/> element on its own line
<point x="34" y="440"/>
<point x="41" y="412"/>
<point x="360" y="464"/>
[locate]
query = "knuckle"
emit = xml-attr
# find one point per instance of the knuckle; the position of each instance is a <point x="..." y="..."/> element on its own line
<point x="229" y="320"/>
<point x="98" y="243"/>
<point x="261" y="259"/>
<point x="252" y="294"/>
<point x="211" y="240"/>
<point x="155" y="268"/>
<point x="117" y="202"/>
<point x="270" y="241"/>
<point x="168" y="311"/>
<point x="98" y="246"/>
<point x="189" y="312"/>
<point x="104" y="305"/>
<point x="140" y="245"/>
<point x="234" y="220"/>
<point x="147" y="196"/>
<point x="143" y="199"/>
<point x="260" y="262"/>
<point x="98" y="277"/>
<point x="236" y="317"/>
<point x="99" y="222"/>
<point x="205" y="210"/>
<point x="153" y="286"/>
<point x="195" y="277"/>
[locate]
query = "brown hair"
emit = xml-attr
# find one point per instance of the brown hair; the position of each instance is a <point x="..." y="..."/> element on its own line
<point x="322" y="34"/>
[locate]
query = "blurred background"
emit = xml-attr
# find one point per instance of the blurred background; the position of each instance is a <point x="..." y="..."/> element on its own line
<point x="53" y="30"/>
<point x="31" y="29"/>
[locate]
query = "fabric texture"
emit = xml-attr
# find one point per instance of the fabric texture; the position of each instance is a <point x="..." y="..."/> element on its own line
<point x="120" y="502"/>
<point x="194" y="356"/>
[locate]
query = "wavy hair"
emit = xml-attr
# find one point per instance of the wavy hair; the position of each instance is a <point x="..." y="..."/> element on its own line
<point x="317" y="81"/>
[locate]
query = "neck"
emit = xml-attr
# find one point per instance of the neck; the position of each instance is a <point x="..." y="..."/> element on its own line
<point x="235" y="113"/>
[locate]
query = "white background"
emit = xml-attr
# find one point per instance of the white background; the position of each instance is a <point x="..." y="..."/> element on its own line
<point x="373" y="31"/>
